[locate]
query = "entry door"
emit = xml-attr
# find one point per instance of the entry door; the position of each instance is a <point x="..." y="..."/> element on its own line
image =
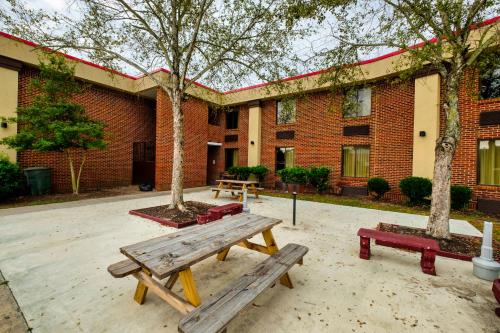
<point x="213" y="172"/>
<point x="143" y="166"/>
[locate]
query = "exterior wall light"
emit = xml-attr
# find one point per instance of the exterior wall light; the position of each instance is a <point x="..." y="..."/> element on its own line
<point x="252" y="143"/>
<point x="4" y="124"/>
<point x="422" y="133"/>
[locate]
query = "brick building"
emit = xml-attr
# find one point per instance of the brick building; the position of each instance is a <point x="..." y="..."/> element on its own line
<point x="390" y="132"/>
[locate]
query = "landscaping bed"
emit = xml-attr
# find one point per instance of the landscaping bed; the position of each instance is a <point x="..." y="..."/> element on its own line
<point x="461" y="247"/>
<point x="173" y="217"/>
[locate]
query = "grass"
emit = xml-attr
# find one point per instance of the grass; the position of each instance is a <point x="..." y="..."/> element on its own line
<point x="475" y="218"/>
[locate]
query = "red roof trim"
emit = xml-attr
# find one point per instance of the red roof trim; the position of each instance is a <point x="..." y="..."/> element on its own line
<point x="364" y="62"/>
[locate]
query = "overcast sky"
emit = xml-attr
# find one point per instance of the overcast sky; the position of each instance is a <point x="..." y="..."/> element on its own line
<point x="321" y="40"/>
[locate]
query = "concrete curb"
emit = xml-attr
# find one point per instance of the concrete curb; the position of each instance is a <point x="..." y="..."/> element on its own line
<point x="87" y="202"/>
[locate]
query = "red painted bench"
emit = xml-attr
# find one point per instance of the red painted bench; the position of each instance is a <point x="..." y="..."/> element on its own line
<point x="216" y="213"/>
<point x="496" y="292"/>
<point x="428" y="247"/>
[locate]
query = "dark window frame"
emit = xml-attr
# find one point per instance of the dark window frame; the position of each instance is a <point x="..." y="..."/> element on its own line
<point x="342" y="160"/>
<point x="284" y="162"/>
<point x="226" y="150"/>
<point x="232" y="123"/>
<point x="480" y="86"/>
<point x="277" y="115"/>
<point x="356" y="116"/>
<point x="213" y="116"/>
<point x="478" y="163"/>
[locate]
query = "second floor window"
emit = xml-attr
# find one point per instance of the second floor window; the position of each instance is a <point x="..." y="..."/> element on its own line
<point x="285" y="111"/>
<point x="213" y="115"/>
<point x="232" y="119"/>
<point x="490" y="83"/>
<point x="358" y="103"/>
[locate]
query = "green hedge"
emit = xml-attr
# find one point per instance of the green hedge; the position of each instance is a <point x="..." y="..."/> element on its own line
<point x="460" y="196"/>
<point x="378" y="185"/>
<point x="243" y="172"/>
<point x="319" y="177"/>
<point x="416" y="189"/>
<point x="11" y="178"/>
<point x="295" y="175"/>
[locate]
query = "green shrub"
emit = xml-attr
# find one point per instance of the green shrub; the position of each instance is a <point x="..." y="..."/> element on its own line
<point x="241" y="172"/>
<point x="460" y="196"/>
<point x="319" y="177"/>
<point x="416" y="189"/>
<point x="295" y="175"/>
<point x="259" y="171"/>
<point x="11" y="178"/>
<point x="379" y="186"/>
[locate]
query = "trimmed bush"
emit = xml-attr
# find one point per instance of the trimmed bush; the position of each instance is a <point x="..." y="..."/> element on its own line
<point x="11" y="178"/>
<point x="379" y="186"/>
<point x="295" y="175"/>
<point x="416" y="189"/>
<point x="259" y="171"/>
<point x="319" y="177"/>
<point x="241" y="172"/>
<point x="460" y="196"/>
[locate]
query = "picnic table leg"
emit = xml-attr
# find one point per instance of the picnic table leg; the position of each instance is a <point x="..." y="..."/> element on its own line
<point x="189" y="287"/>
<point x="141" y="290"/>
<point x="254" y="190"/>
<point x="171" y="281"/>
<point x="364" y="248"/>
<point x="273" y="248"/>
<point x="221" y="256"/>
<point x="221" y="185"/>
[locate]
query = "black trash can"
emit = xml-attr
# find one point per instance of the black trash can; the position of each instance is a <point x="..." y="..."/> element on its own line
<point x="39" y="180"/>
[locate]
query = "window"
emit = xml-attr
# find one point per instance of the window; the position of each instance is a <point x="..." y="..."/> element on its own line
<point x="285" y="158"/>
<point x="232" y="157"/>
<point x="355" y="161"/>
<point x="358" y="103"/>
<point x="490" y="83"/>
<point x="489" y="162"/>
<point x="232" y="119"/>
<point x="213" y="115"/>
<point x="285" y="111"/>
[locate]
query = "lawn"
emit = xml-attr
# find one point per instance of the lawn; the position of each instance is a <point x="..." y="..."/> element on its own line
<point x="475" y="218"/>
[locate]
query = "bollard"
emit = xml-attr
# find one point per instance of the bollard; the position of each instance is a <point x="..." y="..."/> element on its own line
<point x="294" y="206"/>
<point x="485" y="267"/>
<point x="245" y="204"/>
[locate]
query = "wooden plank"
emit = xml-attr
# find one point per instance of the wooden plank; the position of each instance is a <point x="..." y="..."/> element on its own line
<point x="255" y="247"/>
<point x="216" y="313"/>
<point x="189" y="287"/>
<point x="175" y="301"/>
<point x="221" y="256"/>
<point x="123" y="268"/>
<point x="171" y="281"/>
<point x="167" y="254"/>
<point x="239" y="182"/>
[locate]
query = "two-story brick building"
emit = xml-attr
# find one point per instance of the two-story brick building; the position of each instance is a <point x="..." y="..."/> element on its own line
<point x="390" y="133"/>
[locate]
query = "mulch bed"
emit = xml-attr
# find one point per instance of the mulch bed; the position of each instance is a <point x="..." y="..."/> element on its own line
<point x="461" y="247"/>
<point x="174" y="217"/>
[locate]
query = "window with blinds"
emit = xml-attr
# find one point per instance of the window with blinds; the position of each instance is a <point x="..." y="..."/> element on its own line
<point x="489" y="162"/>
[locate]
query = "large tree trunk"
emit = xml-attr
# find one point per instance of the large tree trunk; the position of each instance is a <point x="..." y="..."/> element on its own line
<point x="178" y="160"/>
<point x="438" y="224"/>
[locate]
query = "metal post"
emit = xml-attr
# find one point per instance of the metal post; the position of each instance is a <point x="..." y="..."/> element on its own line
<point x="294" y="206"/>
<point x="245" y="204"/>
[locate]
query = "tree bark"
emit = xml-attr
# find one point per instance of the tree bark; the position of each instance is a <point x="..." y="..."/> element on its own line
<point x="438" y="224"/>
<point x="178" y="155"/>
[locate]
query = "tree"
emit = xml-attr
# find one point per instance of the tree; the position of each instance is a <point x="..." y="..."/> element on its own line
<point x="219" y="42"/>
<point x="53" y="123"/>
<point x="443" y="36"/>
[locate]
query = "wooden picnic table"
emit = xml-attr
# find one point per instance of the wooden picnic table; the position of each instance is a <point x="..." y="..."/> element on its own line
<point x="237" y="186"/>
<point x="172" y="256"/>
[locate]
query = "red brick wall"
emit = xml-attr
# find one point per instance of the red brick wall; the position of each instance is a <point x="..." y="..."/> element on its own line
<point x="465" y="160"/>
<point x="319" y="134"/>
<point x="195" y="145"/>
<point x="128" y="118"/>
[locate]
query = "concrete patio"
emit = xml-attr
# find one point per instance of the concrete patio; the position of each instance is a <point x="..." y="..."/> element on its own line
<point x="56" y="263"/>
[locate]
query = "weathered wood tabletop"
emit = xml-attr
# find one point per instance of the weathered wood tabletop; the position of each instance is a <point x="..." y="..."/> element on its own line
<point x="173" y="255"/>
<point x="238" y="182"/>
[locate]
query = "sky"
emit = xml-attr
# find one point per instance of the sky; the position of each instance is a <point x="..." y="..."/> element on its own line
<point x="304" y="48"/>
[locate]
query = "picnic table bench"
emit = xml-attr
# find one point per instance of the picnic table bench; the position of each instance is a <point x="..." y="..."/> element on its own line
<point x="214" y="315"/>
<point x="428" y="247"/>
<point x="496" y="292"/>
<point x="172" y="256"/>
<point x="237" y="187"/>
